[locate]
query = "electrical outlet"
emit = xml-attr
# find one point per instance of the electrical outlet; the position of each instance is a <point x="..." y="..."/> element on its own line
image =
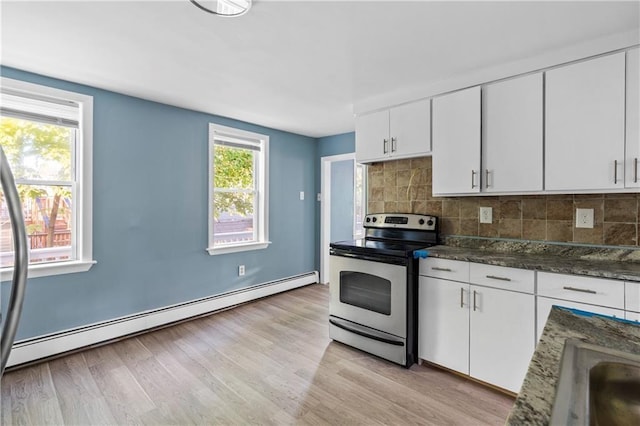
<point x="240" y="270"/>
<point x="301" y="195"/>
<point x="319" y="197"/>
<point x="584" y="218"/>
<point x="486" y="215"/>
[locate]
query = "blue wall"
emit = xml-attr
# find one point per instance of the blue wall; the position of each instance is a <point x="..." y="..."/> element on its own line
<point x="342" y="200"/>
<point x="150" y="216"/>
<point x="344" y="143"/>
<point x="337" y="144"/>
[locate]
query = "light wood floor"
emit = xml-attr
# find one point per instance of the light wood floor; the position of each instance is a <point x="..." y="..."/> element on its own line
<point x="266" y="362"/>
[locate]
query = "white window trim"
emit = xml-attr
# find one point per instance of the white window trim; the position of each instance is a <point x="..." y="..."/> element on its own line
<point x="84" y="175"/>
<point x="263" y="242"/>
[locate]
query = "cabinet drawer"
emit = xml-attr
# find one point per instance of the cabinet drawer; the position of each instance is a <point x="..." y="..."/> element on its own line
<point x="632" y="297"/>
<point x="502" y="277"/>
<point x="595" y="291"/>
<point x="444" y="268"/>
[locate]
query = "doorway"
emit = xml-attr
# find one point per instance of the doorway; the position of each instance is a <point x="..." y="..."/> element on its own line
<point x="343" y="189"/>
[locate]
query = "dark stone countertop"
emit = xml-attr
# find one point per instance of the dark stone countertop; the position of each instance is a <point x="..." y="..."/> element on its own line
<point x="535" y="400"/>
<point x="601" y="262"/>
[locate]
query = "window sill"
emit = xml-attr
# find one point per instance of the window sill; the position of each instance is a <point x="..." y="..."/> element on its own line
<point x="238" y="248"/>
<point x="49" y="269"/>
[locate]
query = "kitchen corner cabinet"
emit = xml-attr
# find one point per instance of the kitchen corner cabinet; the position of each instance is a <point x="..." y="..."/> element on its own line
<point x="632" y="144"/>
<point x="466" y="325"/>
<point x="399" y="132"/>
<point x="456" y="142"/>
<point x="585" y="125"/>
<point x="512" y="135"/>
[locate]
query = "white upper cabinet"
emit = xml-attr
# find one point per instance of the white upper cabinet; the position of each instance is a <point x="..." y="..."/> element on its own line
<point x="400" y="132"/>
<point x="456" y="142"/>
<point x="512" y="131"/>
<point x="372" y="136"/>
<point x="585" y="116"/>
<point x="632" y="180"/>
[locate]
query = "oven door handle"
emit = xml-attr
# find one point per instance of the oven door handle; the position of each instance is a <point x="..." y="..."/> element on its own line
<point x="363" y="333"/>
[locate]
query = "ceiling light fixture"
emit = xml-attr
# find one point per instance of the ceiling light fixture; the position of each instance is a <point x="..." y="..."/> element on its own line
<point x="229" y="8"/>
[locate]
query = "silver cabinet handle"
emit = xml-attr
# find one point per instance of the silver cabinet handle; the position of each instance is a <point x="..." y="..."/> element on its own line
<point x="486" y="174"/>
<point x="435" y="268"/>
<point x="462" y="297"/>
<point x="493" y="277"/>
<point x="474" y="300"/>
<point x="473" y="179"/>
<point x="393" y="144"/>
<point x="635" y="170"/>
<point x="385" y="146"/>
<point x="581" y="290"/>
<point x="615" y="172"/>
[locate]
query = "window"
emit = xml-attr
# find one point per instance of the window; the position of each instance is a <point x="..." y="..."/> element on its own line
<point x="238" y="182"/>
<point x="46" y="135"/>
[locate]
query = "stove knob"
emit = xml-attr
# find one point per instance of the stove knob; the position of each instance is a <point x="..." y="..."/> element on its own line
<point x="368" y="219"/>
<point x="375" y="219"/>
<point x="421" y="221"/>
<point x="430" y="222"/>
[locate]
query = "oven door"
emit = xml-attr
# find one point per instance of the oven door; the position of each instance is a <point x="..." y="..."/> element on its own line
<point x="369" y="293"/>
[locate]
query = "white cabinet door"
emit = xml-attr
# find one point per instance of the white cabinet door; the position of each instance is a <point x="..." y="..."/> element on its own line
<point x="632" y="179"/>
<point x="372" y="136"/>
<point x="512" y="135"/>
<point x="632" y="296"/>
<point x="443" y="323"/>
<point x="502" y="328"/>
<point x="410" y="129"/>
<point x="585" y="112"/>
<point x="456" y="142"/>
<point x="545" y="304"/>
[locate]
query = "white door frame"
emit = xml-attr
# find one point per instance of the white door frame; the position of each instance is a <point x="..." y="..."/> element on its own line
<point x="325" y="210"/>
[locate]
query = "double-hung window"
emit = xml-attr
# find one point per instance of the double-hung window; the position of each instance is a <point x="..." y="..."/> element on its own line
<point x="238" y="182"/>
<point x="46" y="135"/>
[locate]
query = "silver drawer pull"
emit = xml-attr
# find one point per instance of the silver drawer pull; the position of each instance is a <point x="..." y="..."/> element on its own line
<point x="462" y="297"/>
<point x="581" y="290"/>
<point x="474" y="300"/>
<point x="435" y="268"/>
<point x="493" y="277"/>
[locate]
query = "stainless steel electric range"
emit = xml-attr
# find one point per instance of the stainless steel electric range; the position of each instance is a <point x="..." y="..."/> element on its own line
<point x="374" y="285"/>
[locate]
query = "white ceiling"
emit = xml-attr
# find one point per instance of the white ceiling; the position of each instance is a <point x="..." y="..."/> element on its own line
<point x="298" y="66"/>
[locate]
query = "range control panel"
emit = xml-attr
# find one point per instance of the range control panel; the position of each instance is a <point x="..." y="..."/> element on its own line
<point x="401" y="220"/>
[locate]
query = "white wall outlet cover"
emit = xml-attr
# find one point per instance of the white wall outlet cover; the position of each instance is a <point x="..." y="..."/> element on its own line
<point x="302" y="195"/>
<point x="486" y="215"/>
<point x="241" y="270"/>
<point x="584" y="218"/>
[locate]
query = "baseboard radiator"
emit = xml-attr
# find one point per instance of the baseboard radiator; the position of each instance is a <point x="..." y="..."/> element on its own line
<point x="30" y="350"/>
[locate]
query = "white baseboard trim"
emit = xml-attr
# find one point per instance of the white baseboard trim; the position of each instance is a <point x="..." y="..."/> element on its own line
<point x="53" y="344"/>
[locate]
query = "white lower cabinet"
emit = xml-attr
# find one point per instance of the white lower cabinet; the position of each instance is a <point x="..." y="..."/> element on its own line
<point x="443" y="325"/>
<point x="487" y="333"/>
<point x="597" y="295"/>
<point x="545" y="304"/>
<point x="501" y="337"/>
<point x="632" y="301"/>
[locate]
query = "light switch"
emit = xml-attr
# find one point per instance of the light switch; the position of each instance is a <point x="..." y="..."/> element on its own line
<point x="302" y="195"/>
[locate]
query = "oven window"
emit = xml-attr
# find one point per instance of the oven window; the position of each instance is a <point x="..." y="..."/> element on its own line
<point x="365" y="291"/>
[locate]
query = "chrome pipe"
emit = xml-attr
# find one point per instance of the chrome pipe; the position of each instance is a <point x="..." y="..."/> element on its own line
<point x="21" y="262"/>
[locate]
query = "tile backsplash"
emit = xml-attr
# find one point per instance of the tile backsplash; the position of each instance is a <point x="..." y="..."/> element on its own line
<point x="404" y="186"/>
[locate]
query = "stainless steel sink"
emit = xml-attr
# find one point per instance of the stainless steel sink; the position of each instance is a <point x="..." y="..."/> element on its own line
<point x="597" y="386"/>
